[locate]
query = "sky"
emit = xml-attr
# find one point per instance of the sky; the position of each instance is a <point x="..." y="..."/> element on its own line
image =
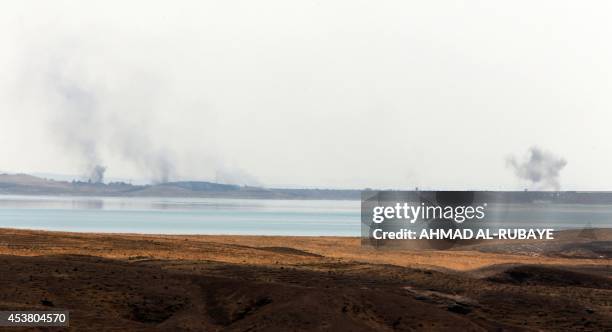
<point x="331" y="94"/>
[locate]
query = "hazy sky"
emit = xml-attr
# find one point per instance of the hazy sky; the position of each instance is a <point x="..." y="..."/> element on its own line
<point x="348" y="94"/>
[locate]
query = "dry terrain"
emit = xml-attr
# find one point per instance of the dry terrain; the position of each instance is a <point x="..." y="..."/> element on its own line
<point x="126" y="282"/>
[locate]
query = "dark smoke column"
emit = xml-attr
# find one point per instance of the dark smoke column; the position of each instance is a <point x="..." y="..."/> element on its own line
<point x="97" y="174"/>
<point x="541" y="168"/>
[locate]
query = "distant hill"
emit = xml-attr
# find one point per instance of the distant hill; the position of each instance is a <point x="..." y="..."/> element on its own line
<point x="23" y="184"/>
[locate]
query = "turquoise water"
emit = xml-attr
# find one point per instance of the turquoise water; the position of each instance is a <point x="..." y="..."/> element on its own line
<point x="182" y="215"/>
<point x="251" y="216"/>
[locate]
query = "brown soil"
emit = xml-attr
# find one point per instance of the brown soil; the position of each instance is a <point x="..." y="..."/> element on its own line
<point x="255" y="283"/>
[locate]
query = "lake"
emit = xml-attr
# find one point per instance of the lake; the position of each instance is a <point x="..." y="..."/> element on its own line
<point x="250" y="216"/>
<point x="181" y="215"/>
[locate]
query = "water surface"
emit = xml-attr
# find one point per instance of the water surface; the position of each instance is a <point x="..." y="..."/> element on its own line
<point x="251" y="216"/>
<point x="181" y="215"/>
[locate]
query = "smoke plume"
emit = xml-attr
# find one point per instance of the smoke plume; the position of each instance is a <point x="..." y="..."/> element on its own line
<point x="133" y="145"/>
<point x="117" y="114"/>
<point x="541" y="168"/>
<point x="97" y="174"/>
<point x="92" y="127"/>
<point x="77" y="125"/>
